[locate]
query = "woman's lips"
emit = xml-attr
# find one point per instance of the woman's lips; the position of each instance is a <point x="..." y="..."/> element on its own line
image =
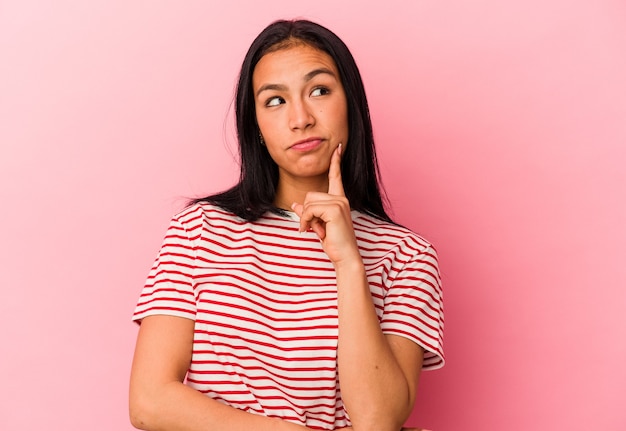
<point x="306" y="144"/>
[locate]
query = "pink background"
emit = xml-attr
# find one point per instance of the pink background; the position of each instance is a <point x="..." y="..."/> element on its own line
<point x="501" y="129"/>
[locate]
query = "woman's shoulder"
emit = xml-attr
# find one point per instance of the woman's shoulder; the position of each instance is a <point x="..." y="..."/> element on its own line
<point x="203" y="212"/>
<point x="383" y="231"/>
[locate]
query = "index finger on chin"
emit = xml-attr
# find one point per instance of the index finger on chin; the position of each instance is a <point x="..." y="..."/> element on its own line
<point x="335" y="184"/>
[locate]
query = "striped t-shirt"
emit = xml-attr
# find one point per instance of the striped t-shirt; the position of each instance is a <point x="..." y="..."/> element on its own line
<point x="264" y="300"/>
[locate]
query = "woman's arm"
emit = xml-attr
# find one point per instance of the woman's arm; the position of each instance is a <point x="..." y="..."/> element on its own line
<point x="378" y="374"/>
<point x="160" y="401"/>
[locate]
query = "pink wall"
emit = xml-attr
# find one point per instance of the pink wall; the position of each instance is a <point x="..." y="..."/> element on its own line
<point x="502" y="138"/>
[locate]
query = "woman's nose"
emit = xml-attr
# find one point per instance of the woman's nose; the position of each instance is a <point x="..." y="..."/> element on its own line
<point x="300" y="115"/>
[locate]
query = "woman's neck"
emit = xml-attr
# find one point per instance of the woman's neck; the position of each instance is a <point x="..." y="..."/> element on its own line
<point x="291" y="191"/>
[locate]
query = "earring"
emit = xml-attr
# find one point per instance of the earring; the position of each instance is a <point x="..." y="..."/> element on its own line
<point x="261" y="139"/>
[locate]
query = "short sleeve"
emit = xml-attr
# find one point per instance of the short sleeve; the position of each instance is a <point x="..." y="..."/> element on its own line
<point x="413" y="305"/>
<point x="169" y="288"/>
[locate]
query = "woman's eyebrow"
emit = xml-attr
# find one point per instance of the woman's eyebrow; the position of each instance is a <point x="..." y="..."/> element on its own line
<point x="312" y="74"/>
<point x="276" y="87"/>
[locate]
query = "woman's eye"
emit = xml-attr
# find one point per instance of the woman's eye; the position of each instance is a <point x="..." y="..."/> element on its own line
<point x="274" y="101"/>
<point x="320" y="91"/>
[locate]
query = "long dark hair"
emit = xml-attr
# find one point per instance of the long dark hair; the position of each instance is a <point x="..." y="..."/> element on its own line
<point x="254" y="194"/>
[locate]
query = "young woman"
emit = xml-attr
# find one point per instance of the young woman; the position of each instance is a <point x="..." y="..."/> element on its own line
<point x="290" y="301"/>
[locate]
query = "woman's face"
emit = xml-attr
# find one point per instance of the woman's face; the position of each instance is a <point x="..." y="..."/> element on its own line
<point x="301" y="110"/>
